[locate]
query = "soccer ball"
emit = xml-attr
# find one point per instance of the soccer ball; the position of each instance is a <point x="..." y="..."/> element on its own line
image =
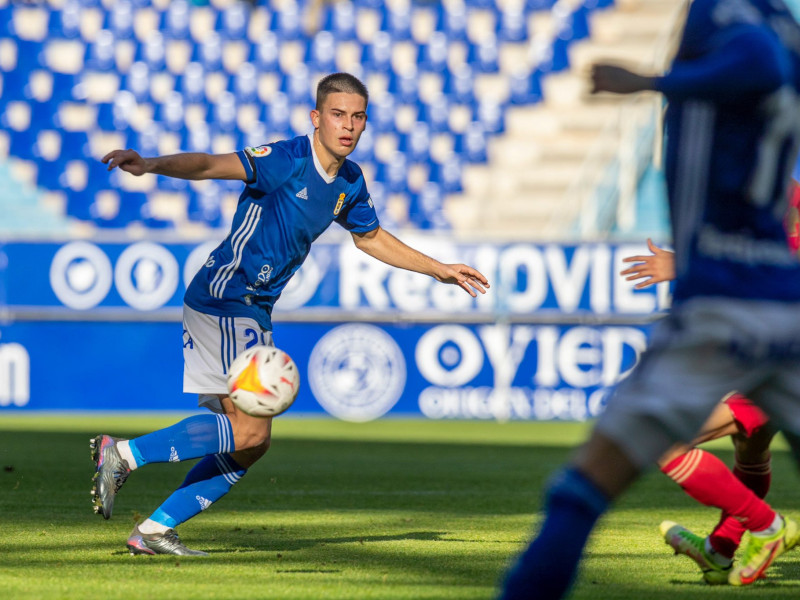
<point x="263" y="381"/>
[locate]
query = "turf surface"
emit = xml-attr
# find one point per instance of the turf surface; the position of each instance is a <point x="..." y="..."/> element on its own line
<point x="394" y="509"/>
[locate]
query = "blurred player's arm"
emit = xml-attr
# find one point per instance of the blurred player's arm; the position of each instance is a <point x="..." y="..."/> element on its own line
<point x="732" y="68"/>
<point x="655" y="268"/>
<point x="188" y="165"/>
<point x="382" y="245"/>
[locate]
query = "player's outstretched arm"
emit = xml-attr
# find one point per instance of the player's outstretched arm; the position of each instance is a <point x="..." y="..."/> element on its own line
<point x="382" y="245"/>
<point x="619" y="80"/>
<point x="658" y="267"/>
<point x="188" y="165"/>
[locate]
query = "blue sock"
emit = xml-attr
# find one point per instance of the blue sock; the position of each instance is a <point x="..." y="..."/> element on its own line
<point x="193" y="437"/>
<point x="546" y="569"/>
<point x="208" y="481"/>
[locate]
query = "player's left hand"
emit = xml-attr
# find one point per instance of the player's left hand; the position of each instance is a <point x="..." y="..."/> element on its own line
<point x="465" y="277"/>
<point x="618" y="80"/>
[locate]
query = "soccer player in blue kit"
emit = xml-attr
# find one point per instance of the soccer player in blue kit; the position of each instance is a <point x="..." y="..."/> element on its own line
<point x="294" y="190"/>
<point x="731" y="141"/>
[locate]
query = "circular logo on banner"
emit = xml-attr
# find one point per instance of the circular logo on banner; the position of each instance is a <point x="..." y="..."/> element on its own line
<point x="196" y="260"/>
<point x="357" y="372"/>
<point x="146" y="275"/>
<point x="80" y="275"/>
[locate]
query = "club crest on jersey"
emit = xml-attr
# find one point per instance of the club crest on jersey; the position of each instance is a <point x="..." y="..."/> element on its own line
<point x="259" y="151"/>
<point x="339" y="204"/>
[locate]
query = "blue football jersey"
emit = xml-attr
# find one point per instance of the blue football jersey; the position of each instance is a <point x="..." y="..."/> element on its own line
<point x="731" y="143"/>
<point x="287" y="202"/>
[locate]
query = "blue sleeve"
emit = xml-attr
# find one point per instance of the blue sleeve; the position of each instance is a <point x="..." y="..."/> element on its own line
<point x="749" y="61"/>
<point x="267" y="167"/>
<point x="358" y="215"/>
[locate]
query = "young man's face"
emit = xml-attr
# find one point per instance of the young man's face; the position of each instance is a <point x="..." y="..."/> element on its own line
<point x="340" y="121"/>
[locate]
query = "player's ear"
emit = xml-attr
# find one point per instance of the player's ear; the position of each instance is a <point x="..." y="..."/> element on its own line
<point x="315" y="118"/>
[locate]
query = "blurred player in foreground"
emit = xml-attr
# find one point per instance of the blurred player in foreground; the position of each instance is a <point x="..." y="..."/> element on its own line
<point x="702" y="475"/>
<point x="732" y="134"/>
<point x="293" y="191"/>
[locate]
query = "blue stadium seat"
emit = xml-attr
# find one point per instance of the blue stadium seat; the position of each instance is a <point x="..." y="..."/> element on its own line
<point x="579" y="23"/>
<point x="416" y="144"/>
<point x="381" y="113"/>
<point x="297" y="85"/>
<point x="538" y="5"/>
<point x="244" y="84"/>
<point x="233" y="21"/>
<point x="472" y="144"/>
<point x="209" y="52"/>
<point x="436" y="114"/>
<point x="377" y="55"/>
<point x="22" y="143"/>
<point x="29" y="55"/>
<point x="196" y="138"/>
<point x="256" y="134"/>
<point x="321" y="53"/>
<point x="266" y="53"/>
<point x="63" y="85"/>
<point x="525" y="87"/>
<point x="100" y="54"/>
<point x="512" y="25"/>
<point x="397" y="22"/>
<point x="49" y="173"/>
<point x="175" y="20"/>
<point x="365" y="151"/>
<point x="74" y="145"/>
<point x="340" y="20"/>
<point x="137" y="82"/>
<point x="426" y="208"/>
<point x="432" y="56"/>
<point x="170" y="115"/>
<point x="223" y="113"/>
<point x="205" y="206"/>
<point x="405" y="86"/>
<point x="65" y="23"/>
<point x="192" y="84"/>
<point x="394" y="174"/>
<point x="560" y="56"/>
<point x="43" y="114"/>
<point x="117" y="115"/>
<point x="452" y="20"/>
<point x="277" y="115"/>
<point x="459" y="85"/>
<point x="152" y="52"/>
<point x="286" y="22"/>
<point x="145" y="142"/>
<point x="491" y="115"/>
<point x="448" y="174"/>
<point x="484" y="55"/>
<point x="119" y="19"/>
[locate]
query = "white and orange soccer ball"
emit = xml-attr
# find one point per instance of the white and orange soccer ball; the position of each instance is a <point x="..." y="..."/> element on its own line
<point x="263" y="381"/>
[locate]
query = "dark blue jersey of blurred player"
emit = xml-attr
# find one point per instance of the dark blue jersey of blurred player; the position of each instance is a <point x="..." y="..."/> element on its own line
<point x="732" y="132"/>
<point x="732" y="136"/>
<point x="289" y="200"/>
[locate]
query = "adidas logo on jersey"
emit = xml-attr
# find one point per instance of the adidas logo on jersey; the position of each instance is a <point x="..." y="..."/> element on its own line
<point x="302" y="194"/>
<point x="173" y="455"/>
<point x="204" y="502"/>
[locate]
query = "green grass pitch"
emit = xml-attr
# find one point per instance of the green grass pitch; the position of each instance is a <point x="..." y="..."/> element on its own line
<point x="394" y="509"/>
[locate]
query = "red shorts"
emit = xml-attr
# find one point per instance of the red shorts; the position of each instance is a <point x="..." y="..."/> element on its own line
<point x="747" y="415"/>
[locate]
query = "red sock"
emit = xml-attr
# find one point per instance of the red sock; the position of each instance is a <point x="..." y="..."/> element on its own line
<point x="727" y="535"/>
<point x="706" y="479"/>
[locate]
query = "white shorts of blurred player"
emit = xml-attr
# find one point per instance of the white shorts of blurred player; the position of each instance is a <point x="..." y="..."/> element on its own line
<point x="210" y="345"/>
<point x="698" y="353"/>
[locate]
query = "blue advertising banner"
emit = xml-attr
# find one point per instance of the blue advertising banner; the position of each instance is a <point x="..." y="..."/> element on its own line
<point x="353" y="371"/>
<point x="96" y="326"/>
<point x="144" y="276"/>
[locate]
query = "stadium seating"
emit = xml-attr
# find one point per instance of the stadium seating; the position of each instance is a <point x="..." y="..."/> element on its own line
<point x="178" y="76"/>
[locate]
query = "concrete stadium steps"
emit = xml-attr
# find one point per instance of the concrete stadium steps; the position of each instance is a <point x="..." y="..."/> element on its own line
<point x="525" y="190"/>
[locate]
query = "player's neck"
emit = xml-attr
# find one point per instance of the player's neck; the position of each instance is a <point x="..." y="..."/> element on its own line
<point x="329" y="162"/>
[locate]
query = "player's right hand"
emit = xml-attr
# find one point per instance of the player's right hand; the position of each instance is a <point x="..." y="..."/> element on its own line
<point x="653" y="269"/>
<point x="127" y="160"/>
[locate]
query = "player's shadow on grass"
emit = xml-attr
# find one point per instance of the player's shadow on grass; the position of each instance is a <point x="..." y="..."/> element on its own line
<point x="272" y="545"/>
